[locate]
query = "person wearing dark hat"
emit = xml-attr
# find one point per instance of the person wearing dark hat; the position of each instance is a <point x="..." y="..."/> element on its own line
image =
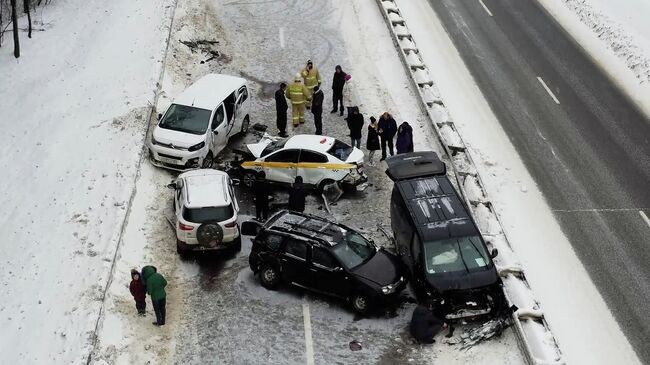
<point x="155" y="284"/>
<point x="372" y="143"/>
<point x="139" y="292"/>
<point x="261" y="189"/>
<point x="338" y="81"/>
<point x="281" y="110"/>
<point x="425" y="325"/>
<point x="317" y="109"/>
<point x="297" y="195"/>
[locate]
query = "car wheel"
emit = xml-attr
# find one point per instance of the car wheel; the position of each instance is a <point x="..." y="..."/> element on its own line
<point x="324" y="183"/>
<point x="270" y="277"/>
<point x="208" y="161"/>
<point x="245" y="124"/>
<point x="249" y="178"/>
<point x="360" y="303"/>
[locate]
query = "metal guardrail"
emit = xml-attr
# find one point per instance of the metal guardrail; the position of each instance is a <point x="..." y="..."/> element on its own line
<point x="534" y="337"/>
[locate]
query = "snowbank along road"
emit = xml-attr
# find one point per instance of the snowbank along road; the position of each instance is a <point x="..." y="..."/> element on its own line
<point x="583" y="142"/>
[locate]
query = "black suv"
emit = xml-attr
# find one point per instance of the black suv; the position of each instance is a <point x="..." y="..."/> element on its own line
<point x="324" y="256"/>
<point x="438" y="240"/>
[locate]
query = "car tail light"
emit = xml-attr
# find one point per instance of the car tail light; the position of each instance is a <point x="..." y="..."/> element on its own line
<point x="183" y="227"/>
<point x="231" y="224"/>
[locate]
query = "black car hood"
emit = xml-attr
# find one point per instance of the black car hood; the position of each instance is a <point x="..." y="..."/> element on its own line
<point x="462" y="281"/>
<point x="382" y="269"/>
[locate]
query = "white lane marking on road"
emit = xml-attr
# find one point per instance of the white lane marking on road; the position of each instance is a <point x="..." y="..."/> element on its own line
<point x="596" y="210"/>
<point x="548" y="90"/>
<point x="485" y="7"/>
<point x="281" y="31"/>
<point x="645" y="217"/>
<point x="309" y="345"/>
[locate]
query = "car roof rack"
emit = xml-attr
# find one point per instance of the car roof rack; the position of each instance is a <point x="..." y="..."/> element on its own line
<point x="413" y="165"/>
<point x="302" y="229"/>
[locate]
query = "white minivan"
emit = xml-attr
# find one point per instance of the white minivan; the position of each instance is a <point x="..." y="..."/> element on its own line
<point x="199" y="122"/>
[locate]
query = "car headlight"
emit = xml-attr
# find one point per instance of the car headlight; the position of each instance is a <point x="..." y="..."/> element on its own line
<point x="387" y="289"/>
<point x="390" y="288"/>
<point x="196" y="147"/>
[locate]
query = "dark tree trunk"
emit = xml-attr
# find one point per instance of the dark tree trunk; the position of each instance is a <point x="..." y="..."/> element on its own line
<point x="14" y="20"/>
<point x="29" y="17"/>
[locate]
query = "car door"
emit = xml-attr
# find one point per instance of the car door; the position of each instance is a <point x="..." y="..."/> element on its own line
<point x="241" y="109"/>
<point x="281" y="165"/>
<point x="327" y="274"/>
<point x="294" y="261"/>
<point x="312" y="167"/>
<point x="219" y="130"/>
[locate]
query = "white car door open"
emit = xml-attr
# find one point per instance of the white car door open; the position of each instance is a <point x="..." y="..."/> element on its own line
<point x="218" y="129"/>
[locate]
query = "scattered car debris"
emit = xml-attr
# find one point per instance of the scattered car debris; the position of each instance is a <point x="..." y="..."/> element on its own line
<point x="487" y="330"/>
<point x="260" y="127"/>
<point x="355" y="345"/>
<point x="205" y="46"/>
<point x="332" y="192"/>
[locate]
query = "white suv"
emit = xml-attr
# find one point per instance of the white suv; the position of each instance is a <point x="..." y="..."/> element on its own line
<point x="199" y="123"/>
<point x="205" y="211"/>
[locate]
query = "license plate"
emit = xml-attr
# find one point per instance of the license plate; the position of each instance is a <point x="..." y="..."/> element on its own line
<point x="170" y="160"/>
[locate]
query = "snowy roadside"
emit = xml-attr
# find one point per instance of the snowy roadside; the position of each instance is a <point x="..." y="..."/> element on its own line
<point x="75" y="109"/>
<point x="615" y="35"/>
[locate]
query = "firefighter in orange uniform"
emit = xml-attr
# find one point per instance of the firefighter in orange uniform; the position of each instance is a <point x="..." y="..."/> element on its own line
<point x="312" y="79"/>
<point x="299" y="96"/>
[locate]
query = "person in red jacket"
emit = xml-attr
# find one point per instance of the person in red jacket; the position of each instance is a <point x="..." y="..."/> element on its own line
<point x="139" y="292"/>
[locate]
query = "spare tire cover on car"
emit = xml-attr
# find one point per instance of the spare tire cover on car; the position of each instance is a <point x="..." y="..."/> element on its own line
<point x="209" y="234"/>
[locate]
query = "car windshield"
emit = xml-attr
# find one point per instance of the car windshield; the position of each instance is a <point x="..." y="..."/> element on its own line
<point x="273" y="146"/>
<point x="208" y="214"/>
<point x="464" y="254"/>
<point x="186" y="119"/>
<point x="340" y="150"/>
<point x="353" y="249"/>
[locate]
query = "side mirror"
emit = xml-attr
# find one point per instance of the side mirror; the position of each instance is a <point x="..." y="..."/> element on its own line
<point x="236" y="182"/>
<point x="215" y="132"/>
<point x="159" y="116"/>
<point x="494" y="253"/>
<point x="172" y="185"/>
<point x="338" y="269"/>
<point x="250" y="228"/>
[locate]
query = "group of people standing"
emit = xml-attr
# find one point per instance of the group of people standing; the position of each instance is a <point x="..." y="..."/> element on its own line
<point x="305" y="93"/>
<point x="149" y="281"/>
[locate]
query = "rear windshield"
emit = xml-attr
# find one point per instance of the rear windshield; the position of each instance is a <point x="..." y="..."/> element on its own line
<point x="464" y="254"/>
<point x="274" y="146"/>
<point x="208" y="214"/>
<point x="186" y="119"/>
<point x="340" y="150"/>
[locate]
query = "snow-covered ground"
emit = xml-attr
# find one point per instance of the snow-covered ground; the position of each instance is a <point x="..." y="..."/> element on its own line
<point x="74" y="115"/>
<point x="572" y="305"/>
<point x="616" y="34"/>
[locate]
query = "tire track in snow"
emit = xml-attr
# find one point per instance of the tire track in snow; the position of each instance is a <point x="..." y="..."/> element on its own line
<point x="111" y="274"/>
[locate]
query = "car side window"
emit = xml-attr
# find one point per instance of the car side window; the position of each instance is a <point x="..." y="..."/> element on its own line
<point x="272" y="241"/>
<point x="311" y="156"/>
<point x="284" y="156"/>
<point x="297" y="249"/>
<point x="218" y="118"/>
<point x="322" y="258"/>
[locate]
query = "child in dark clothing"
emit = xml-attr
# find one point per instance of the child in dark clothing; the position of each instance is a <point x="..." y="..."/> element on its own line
<point x="138" y="291"/>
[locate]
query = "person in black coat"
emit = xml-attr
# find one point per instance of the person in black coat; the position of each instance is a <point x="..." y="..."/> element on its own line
<point x="261" y="190"/>
<point x="404" y="138"/>
<point x="372" y="142"/>
<point x="425" y="325"/>
<point x="338" y="81"/>
<point x="317" y="109"/>
<point x="387" y="131"/>
<point x="355" y="124"/>
<point x="297" y="195"/>
<point x="281" y="110"/>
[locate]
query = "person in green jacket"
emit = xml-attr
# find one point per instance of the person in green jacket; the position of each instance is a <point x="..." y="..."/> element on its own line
<point x="156" y="284"/>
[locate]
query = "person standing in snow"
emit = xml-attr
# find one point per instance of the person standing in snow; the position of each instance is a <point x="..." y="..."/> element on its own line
<point x="311" y="76"/>
<point x="261" y="190"/>
<point x="298" y="94"/>
<point x="156" y="284"/>
<point x="139" y="292"/>
<point x="317" y="109"/>
<point x="355" y="124"/>
<point x="281" y="110"/>
<point x="387" y="130"/>
<point x="404" y="138"/>
<point x="338" y="82"/>
<point x="297" y="195"/>
<point x="425" y="325"/>
<point x="372" y="142"/>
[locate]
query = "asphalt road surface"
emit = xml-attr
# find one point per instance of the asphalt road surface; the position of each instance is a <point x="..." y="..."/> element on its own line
<point x="584" y="143"/>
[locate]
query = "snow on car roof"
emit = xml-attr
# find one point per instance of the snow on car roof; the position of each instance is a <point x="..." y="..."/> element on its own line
<point x="210" y="90"/>
<point x="310" y="142"/>
<point x="206" y="188"/>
